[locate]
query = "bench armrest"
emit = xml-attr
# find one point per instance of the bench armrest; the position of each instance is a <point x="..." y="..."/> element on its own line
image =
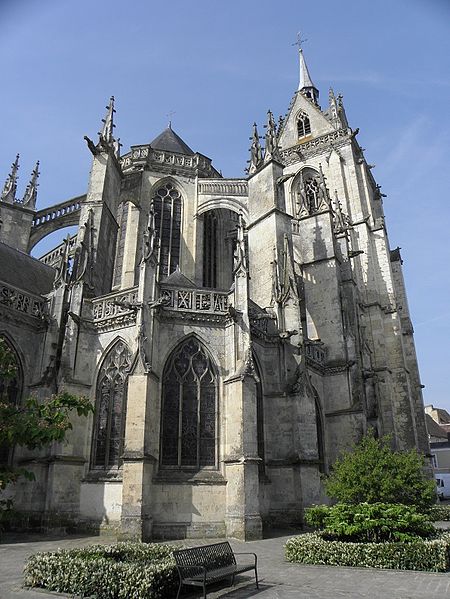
<point x="247" y="553"/>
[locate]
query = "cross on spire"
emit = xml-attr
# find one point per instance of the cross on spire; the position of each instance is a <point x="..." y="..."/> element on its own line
<point x="299" y="41"/>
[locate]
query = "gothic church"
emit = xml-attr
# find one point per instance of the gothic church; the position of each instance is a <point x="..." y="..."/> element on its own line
<point x="234" y="334"/>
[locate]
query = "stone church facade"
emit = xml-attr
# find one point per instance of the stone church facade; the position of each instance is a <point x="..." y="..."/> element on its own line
<point x="234" y="334"/>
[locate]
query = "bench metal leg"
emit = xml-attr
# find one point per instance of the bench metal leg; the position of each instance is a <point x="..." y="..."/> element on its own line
<point x="204" y="591"/>
<point x="179" y="589"/>
<point x="256" y="577"/>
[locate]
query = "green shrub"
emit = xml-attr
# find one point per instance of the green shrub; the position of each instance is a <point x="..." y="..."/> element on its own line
<point x="439" y="513"/>
<point x="370" y="522"/>
<point x="119" y="571"/>
<point x="432" y="555"/>
<point x="373" y="473"/>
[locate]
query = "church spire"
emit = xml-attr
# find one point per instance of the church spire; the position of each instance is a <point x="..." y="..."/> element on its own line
<point x="306" y="86"/>
<point x="29" y="198"/>
<point x="10" y="187"/>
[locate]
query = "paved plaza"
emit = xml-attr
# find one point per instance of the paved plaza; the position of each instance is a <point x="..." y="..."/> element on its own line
<point x="278" y="579"/>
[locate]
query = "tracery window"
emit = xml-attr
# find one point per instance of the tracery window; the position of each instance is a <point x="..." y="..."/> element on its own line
<point x="10" y="392"/>
<point x="109" y="428"/>
<point x="167" y="206"/>
<point x="189" y="409"/>
<point x="303" y="125"/>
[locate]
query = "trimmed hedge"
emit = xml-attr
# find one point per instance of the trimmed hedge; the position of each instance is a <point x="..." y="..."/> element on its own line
<point x="440" y="513"/>
<point x="119" y="571"/>
<point x="370" y="522"/>
<point x="431" y="555"/>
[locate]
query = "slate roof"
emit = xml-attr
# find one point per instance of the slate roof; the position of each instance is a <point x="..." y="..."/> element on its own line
<point x="433" y="428"/>
<point x="177" y="279"/>
<point x="171" y="142"/>
<point x="25" y="272"/>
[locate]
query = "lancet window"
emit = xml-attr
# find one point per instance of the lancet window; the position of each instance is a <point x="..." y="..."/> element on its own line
<point x="167" y="206"/>
<point x="303" y="125"/>
<point x="210" y="250"/>
<point x="10" y="392"/>
<point x="109" y="427"/>
<point x="189" y="409"/>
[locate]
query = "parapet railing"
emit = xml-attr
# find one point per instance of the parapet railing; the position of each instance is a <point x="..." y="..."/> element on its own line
<point x="53" y="212"/>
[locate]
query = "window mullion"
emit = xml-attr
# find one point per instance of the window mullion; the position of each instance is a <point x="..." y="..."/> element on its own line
<point x="198" y="420"/>
<point x="180" y="424"/>
<point x="170" y="238"/>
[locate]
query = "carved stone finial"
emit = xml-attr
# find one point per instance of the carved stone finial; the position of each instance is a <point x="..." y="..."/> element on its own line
<point x="106" y="134"/>
<point x="106" y="140"/>
<point x="272" y="151"/>
<point x="240" y="254"/>
<point x="29" y="198"/>
<point x="10" y="187"/>
<point x="255" y="151"/>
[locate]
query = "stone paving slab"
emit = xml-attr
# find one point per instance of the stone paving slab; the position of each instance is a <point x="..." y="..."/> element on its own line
<point x="278" y="579"/>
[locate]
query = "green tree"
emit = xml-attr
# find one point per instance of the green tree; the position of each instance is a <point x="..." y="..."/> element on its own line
<point x="373" y="473"/>
<point x="33" y="424"/>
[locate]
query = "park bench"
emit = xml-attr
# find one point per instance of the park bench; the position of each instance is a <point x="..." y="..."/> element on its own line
<point x="206" y="564"/>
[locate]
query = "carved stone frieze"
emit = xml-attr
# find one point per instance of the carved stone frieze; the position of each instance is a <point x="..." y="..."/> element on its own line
<point x="316" y="146"/>
<point x="22" y="302"/>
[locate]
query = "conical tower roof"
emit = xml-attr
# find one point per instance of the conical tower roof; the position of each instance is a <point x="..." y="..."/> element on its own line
<point x="169" y="141"/>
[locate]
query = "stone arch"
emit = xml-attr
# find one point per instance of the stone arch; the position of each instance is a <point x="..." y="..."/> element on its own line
<point x="189" y="407"/>
<point x="235" y="204"/>
<point x="53" y="218"/>
<point x="110" y="406"/>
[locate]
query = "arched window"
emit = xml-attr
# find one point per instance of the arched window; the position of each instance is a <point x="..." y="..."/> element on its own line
<point x="189" y="408"/>
<point x="110" y="409"/>
<point x="303" y="125"/>
<point x="167" y="206"/>
<point x="10" y="392"/>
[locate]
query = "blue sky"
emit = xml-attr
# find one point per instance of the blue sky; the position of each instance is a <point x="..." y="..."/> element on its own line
<point x="219" y="67"/>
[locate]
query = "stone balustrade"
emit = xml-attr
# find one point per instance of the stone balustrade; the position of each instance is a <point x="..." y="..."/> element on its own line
<point x="237" y="187"/>
<point x="57" y="211"/>
<point x="115" y="309"/>
<point x="52" y="258"/>
<point x="195" y="300"/>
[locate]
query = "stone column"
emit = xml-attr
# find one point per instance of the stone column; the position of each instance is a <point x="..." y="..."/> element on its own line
<point x="243" y="518"/>
<point x="139" y="461"/>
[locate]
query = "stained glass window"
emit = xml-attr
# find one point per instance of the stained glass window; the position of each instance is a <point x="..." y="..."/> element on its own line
<point x="110" y="408"/>
<point x="189" y="408"/>
<point x="167" y="207"/>
<point x="10" y="392"/>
